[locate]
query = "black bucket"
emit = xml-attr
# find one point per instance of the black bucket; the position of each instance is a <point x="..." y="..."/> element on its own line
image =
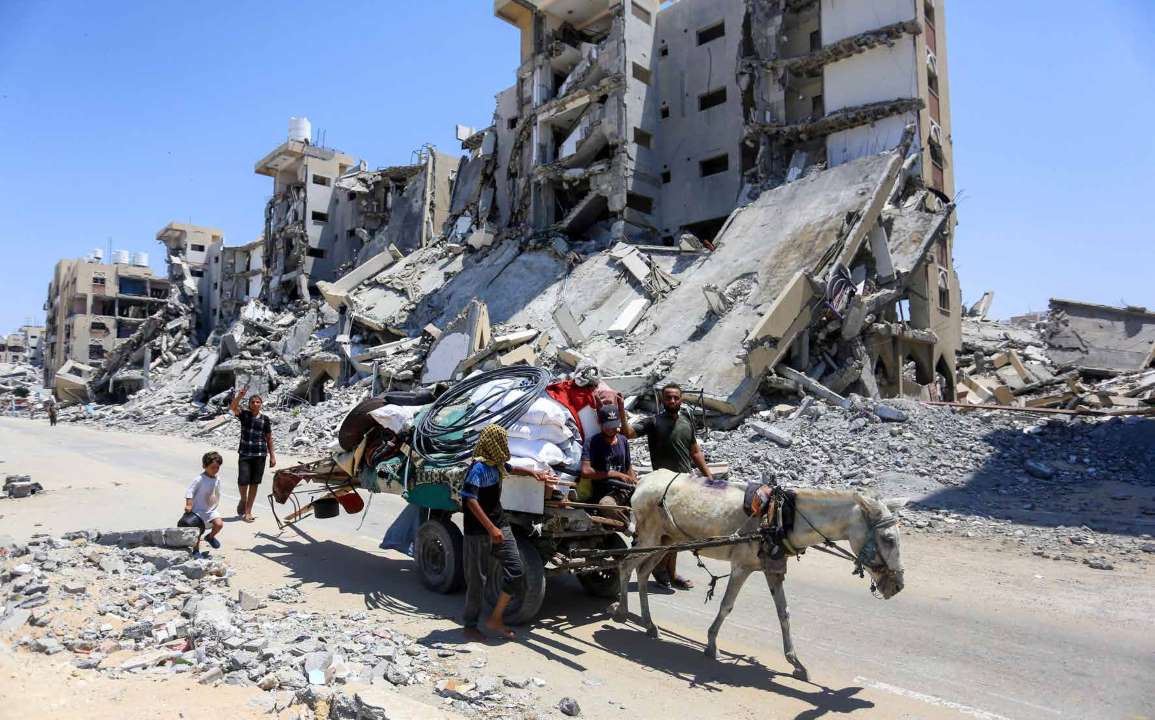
<point x="326" y="507"/>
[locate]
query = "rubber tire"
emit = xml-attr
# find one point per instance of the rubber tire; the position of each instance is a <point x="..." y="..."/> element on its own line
<point x="522" y="607"/>
<point x="605" y="583"/>
<point x="439" y="552"/>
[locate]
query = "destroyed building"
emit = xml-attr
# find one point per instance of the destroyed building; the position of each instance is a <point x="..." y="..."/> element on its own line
<point x="22" y="346"/>
<point x="329" y="214"/>
<point x="93" y="307"/>
<point x="757" y="182"/>
<point x="193" y="256"/>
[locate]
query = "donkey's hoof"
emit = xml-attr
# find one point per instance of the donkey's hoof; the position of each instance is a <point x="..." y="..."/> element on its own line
<point x="618" y="613"/>
<point x="801" y="673"/>
<point x="712" y="652"/>
<point x="652" y="631"/>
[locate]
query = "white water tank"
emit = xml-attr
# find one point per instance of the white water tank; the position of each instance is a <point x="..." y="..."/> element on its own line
<point x="300" y="129"/>
<point x="120" y="257"/>
<point x="140" y="259"/>
<point x="97" y="254"/>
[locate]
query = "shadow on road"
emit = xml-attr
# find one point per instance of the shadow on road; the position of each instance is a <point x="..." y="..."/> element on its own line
<point x="386" y="583"/>
<point x="391" y="585"/>
<point x="1101" y="476"/>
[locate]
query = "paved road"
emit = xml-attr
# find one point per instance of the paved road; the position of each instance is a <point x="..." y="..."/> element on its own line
<point x="977" y="633"/>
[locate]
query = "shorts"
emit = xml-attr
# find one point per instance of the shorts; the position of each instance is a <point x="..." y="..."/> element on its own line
<point x="250" y="470"/>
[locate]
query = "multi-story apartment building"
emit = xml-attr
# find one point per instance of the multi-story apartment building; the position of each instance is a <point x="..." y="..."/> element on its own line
<point x="329" y="213"/>
<point x="237" y="279"/>
<point x="92" y="307"/>
<point x="13" y="348"/>
<point x="642" y="121"/>
<point x="194" y="257"/>
<point x="33" y="336"/>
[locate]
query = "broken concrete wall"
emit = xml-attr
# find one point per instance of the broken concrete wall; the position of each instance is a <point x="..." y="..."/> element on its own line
<point x="1099" y="336"/>
<point x="686" y="72"/>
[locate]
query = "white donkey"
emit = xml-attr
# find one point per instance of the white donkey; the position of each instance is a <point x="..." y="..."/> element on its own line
<point x="694" y="510"/>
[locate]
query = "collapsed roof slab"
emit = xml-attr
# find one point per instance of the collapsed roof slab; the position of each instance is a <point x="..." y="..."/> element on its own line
<point x="1100" y="337"/>
<point x="762" y="259"/>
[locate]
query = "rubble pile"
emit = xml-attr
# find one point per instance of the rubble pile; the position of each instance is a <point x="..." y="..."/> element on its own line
<point x="1012" y="365"/>
<point x="66" y="596"/>
<point x="18" y="381"/>
<point x="1073" y="488"/>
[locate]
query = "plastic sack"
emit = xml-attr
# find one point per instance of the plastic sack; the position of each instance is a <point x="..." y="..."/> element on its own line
<point x="549" y="433"/>
<point x="523" y="463"/>
<point x="397" y="418"/>
<point x="539" y="450"/>
<point x="546" y="411"/>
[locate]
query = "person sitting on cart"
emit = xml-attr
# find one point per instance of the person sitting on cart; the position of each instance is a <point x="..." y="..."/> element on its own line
<point x="488" y="536"/>
<point x="607" y="465"/>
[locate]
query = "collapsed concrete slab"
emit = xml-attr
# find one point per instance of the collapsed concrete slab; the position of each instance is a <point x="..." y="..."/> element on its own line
<point x="1100" y="337"/>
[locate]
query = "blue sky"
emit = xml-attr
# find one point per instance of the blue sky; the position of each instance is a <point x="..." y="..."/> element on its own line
<point x="118" y="117"/>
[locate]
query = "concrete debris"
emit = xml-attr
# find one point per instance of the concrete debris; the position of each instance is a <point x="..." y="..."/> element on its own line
<point x="315" y="664"/>
<point x="21" y="486"/>
<point x="1099" y="337"/>
<point x="1020" y="365"/>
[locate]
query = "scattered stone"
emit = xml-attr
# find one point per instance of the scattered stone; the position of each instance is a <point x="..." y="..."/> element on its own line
<point x="47" y="645"/>
<point x="14" y="620"/>
<point x="569" y="706"/>
<point x="1039" y="470"/>
<point x="248" y="602"/>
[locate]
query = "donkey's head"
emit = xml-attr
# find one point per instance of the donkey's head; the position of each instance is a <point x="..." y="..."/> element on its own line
<point x="875" y="541"/>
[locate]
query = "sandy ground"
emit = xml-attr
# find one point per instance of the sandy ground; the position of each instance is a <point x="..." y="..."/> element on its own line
<point x="977" y="633"/>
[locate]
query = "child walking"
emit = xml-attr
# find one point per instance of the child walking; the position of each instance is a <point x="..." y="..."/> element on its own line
<point x="203" y="499"/>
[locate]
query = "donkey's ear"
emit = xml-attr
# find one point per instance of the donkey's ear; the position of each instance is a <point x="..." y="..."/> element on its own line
<point x="894" y="504"/>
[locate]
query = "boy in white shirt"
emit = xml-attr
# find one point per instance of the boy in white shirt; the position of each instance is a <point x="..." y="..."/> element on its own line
<point x="203" y="499"/>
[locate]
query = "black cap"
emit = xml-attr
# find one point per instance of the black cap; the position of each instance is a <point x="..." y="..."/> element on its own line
<point x="608" y="414"/>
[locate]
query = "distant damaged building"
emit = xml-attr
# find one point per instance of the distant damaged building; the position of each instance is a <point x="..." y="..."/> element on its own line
<point x="329" y="213"/>
<point x="193" y="259"/>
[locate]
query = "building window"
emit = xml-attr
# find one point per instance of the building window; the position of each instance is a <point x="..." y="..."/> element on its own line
<point x="663" y="49"/>
<point x="713" y="32"/>
<point x="196" y="272"/>
<point x="664" y="111"/>
<point x="932" y="81"/>
<point x="641" y="73"/>
<point x="642" y="138"/>
<point x="641" y="13"/>
<point x="943" y="291"/>
<point x="512" y="123"/>
<point x="817" y="109"/>
<point x="197" y="248"/>
<point x="666" y="177"/>
<point x="815" y="41"/>
<point x="711" y="99"/>
<point x="217" y="259"/>
<point x="95" y="352"/>
<point x="320" y="218"/>
<point x="315" y="252"/>
<point x="928" y="10"/>
<point x="641" y="203"/>
<point x="714" y="165"/>
<point x="320" y="180"/>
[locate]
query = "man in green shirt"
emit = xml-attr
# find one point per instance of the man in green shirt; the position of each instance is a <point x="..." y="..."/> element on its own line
<point x="670" y="437"/>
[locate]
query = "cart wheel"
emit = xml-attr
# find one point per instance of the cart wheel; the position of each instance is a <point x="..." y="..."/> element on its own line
<point x="604" y="583"/>
<point x="522" y="607"/>
<point x="439" y="555"/>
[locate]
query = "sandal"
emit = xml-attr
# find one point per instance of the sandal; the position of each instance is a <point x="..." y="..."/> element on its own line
<point x="682" y="583"/>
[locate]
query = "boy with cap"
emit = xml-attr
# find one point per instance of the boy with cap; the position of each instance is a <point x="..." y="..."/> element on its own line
<point x="606" y="462"/>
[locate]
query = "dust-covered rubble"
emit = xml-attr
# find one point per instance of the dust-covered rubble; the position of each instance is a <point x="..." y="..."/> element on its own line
<point x="1071" y="488"/>
<point x="124" y="611"/>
